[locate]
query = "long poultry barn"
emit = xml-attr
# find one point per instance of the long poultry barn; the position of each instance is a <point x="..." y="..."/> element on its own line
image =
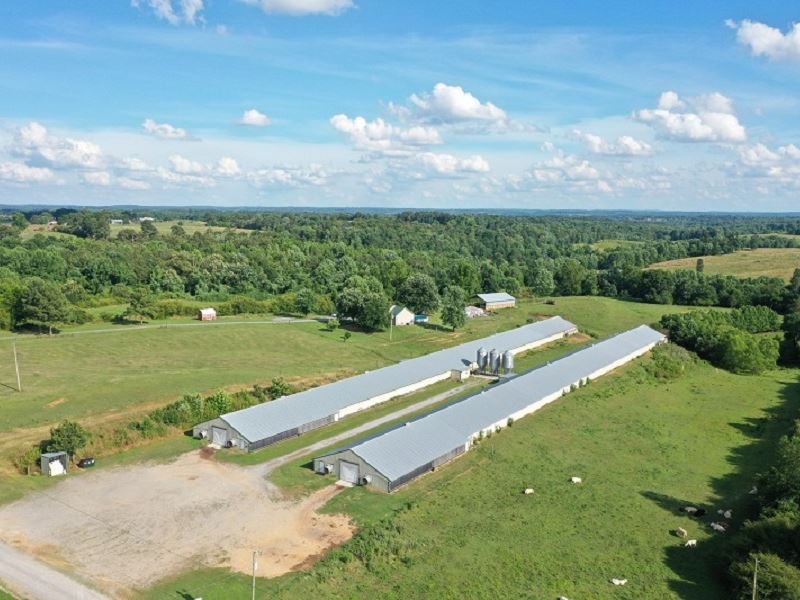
<point x="388" y="460"/>
<point x="265" y="424"/>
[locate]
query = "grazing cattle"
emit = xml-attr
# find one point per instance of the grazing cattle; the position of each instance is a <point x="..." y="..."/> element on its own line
<point x="563" y="598"/>
<point x="753" y="490"/>
<point x="718" y="527"/>
<point x="728" y="514"/>
<point x="700" y="512"/>
<point x="528" y="491"/>
<point x="616" y="581"/>
<point x="576" y="480"/>
<point x="690" y="543"/>
<point x="681" y="532"/>
<point x="689" y="510"/>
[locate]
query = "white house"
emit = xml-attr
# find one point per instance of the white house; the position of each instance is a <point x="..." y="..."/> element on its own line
<point x="401" y="315"/>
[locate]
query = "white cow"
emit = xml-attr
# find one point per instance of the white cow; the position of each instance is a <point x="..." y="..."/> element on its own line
<point x="689" y="509"/>
<point x="690" y="543"/>
<point x="528" y="491"/>
<point x="753" y="490"/>
<point x="616" y="581"/>
<point x="718" y="527"/>
<point x="576" y="480"/>
<point x="728" y="514"/>
<point x="681" y="532"/>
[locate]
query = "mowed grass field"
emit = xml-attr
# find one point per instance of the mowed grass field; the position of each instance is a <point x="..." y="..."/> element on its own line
<point x="769" y="262"/>
<point x="644" y="448"/>
<point x="164" y="227"/>
<point x="106" y="375"/>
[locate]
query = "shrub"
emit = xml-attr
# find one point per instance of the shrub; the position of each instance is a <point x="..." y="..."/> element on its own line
<point x="68" y="437"/>
<point x="669" y="361"/>
<point x="279" y="388"/>
<point x="174" y="308"/>
<point x="27" y="460"/>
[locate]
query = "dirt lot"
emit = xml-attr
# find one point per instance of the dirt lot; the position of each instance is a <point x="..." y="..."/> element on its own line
<point x="126" y="528"/>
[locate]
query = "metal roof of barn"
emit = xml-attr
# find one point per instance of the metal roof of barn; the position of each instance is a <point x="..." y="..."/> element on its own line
<point x="497" y="297"/>
<point x="271" y="418"/>
<point x="401" y="450"/>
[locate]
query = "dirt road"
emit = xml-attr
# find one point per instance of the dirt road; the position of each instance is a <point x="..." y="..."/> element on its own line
<point x="30" y="578"/>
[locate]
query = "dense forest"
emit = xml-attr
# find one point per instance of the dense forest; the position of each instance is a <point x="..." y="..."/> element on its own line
<point x="358" y="263"/>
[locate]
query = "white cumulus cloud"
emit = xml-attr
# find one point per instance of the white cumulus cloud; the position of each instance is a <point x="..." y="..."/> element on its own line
<point x="451" y="103"/>
<point x="228" y="167"/>
<point x="165" y="131"/>
<point x="181" y="164"/>
<point x="21" y="173"/>
<point x="382" y="137"/>
<point x="564" y="167"/>
<point x="447" y="164"/>
<point x="763" y="40"/>
<point x="289" y="176"/>
<point x="36" y="144"/>
<point x="299" y="8"/>
<point x="175" y="13"/>
<point x="624" y="145"/>
<point x="708" y="118"/>
<point x="254" y="118"/>
<point x="782" y="163"/>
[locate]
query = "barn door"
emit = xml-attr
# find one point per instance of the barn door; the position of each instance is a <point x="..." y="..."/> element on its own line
<point x="348" y="472"/>
<point x="219" y="436"/>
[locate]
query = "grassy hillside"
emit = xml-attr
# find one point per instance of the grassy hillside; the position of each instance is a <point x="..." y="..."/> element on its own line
<point x="770" y="262"/>
<point x="102" y="374"/>
<point x="643" y="447"/>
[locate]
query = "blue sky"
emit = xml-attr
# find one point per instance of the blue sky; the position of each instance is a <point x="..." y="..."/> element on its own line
<point x="656" y="105"/>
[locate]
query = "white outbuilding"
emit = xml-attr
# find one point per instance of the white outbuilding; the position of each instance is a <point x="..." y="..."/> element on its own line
<point x="400" y="315"/>
<point x="207" y="314"/>
<point x="54" y="463"/>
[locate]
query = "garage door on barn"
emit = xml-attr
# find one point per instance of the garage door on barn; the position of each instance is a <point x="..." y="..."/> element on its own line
<point x="219" y="436"/>
<point x="348" y="472"/>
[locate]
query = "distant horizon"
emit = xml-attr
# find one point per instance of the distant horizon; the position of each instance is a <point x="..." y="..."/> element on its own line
<point x="390" y="209"/>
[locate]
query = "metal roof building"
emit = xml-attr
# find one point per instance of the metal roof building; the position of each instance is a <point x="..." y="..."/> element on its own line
<point x="496" y="300"/>
<point x="264" y="424"/>
<point x="393" y="458"/>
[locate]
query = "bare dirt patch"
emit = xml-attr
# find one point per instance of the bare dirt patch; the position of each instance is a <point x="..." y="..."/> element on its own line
<point x="126" y="528"/>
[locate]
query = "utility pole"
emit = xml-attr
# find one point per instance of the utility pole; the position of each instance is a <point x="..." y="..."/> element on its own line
<point x="255" y="566"/>
<point x="755" y="580"/>
<point x="16" y="366"/>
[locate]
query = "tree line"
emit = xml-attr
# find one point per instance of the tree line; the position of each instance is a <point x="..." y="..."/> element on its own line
<point x="357" y="264"/>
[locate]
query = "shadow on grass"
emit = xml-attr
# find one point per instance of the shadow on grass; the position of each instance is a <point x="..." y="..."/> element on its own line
<point x="693" y="566"/>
